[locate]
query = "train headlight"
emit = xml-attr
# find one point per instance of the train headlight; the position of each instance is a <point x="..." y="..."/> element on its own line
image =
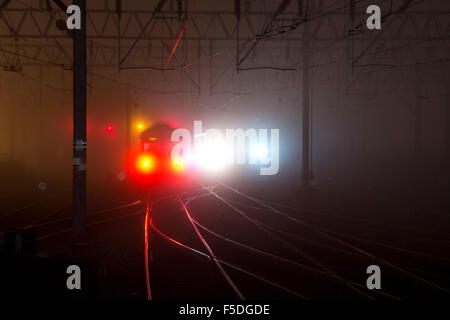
<point x="145" y="163"/>
<point x="178" y="165"/>
<point x="212" y="156"/>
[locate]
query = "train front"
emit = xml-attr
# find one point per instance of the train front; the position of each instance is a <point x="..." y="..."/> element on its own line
<point x="153" y="165"/>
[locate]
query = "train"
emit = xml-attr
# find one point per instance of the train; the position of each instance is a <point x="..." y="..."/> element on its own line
<point x="153" y="164"/>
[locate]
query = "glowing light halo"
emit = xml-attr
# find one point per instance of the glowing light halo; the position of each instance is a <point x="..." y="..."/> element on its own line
<point x="213" y="150"/>
<point x="259" y="152"/>
<point x="145" y="163"/>
<point x="212" y="155"/>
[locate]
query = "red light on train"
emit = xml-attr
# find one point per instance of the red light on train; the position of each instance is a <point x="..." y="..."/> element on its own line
<point x="145" y="163"/>
<point x="177" y="165"/>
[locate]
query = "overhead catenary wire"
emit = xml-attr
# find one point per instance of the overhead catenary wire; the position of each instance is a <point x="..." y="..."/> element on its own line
<point x="95" y="222"/>
<point x="180" y="36"/>
<point x="91" y="224"/>
<point x="159" y="6"/>
<point x="429" y="39"/>
<point x="270" y="33"/>
<point x="31" y="205"/>
<point x="142" y="211"/>
<point x="42" y="223"/>
<point x="96" y="75"/>
<point x="157" y="9"/>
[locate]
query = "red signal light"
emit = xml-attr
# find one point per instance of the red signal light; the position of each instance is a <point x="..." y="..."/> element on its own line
<point x="109" y="128"/>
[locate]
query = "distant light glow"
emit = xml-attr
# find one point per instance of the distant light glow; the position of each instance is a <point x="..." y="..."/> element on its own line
<point x="259" y="152"/>
<point x="212" y="156"/>
<point x="179" y="163"/>
<point x="42" y="186"/>
<point x="214" y="150"/>
<point x="109" y="128"/>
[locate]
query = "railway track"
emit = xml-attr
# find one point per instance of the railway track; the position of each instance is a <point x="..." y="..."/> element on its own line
<point x="301" y="256"/>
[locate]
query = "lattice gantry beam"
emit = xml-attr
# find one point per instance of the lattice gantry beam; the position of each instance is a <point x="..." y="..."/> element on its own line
<point x="32" y="23"/>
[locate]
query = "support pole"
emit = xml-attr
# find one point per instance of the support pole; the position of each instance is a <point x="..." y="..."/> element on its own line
<point x="79" y="130"/>
<point x="119" y="17"/>
<point x="306" y="118"/>
<point x="128" y="123"/>
<point x="237" y="11"/>
<point x="447" y="130"/>
<point x="417" y="112"/>
<point x="447" y="125"/>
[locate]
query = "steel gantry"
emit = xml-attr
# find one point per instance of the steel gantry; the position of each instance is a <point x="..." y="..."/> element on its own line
<point x="245" y="35"/>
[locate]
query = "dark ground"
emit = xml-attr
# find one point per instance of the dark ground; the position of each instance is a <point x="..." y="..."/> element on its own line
<point x="407" y="234"/>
